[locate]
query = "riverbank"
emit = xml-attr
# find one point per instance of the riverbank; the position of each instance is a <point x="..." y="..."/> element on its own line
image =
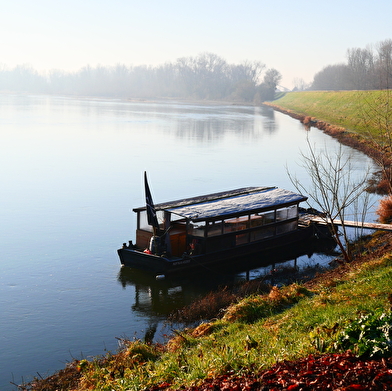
<point x="358" y="119"/>
<point x="267" y="340"/>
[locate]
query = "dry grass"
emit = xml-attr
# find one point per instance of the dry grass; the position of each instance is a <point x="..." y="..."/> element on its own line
<point x="211" y="305"/>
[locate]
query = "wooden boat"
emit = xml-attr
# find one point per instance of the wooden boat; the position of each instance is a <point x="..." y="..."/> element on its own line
<point x="199" y="232"/>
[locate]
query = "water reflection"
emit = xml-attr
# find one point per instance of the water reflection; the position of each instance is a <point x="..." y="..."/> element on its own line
<point x="201" y="123"/>
<point x="247" y="122"/>
<point x="154" y="297"/>
<point x="157" y="297"/>
<point x="266" y="117"/>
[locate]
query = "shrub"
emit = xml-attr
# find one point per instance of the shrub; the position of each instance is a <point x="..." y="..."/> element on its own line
<point x="383" y="187"/>
<point x="384" y="210"/>
<point x="369" y="335"/>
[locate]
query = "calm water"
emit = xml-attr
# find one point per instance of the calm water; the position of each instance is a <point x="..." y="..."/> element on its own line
<point x="70" y="173"/>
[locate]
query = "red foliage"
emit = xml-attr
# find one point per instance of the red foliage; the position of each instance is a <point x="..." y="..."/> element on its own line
<point x="384" y="210"/>
<point x="384" y="186"/>
<point x="306" y="120"/>
<point x="338" y="372"/>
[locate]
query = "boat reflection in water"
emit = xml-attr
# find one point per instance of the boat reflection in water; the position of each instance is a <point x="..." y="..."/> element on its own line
<point x="156" y="298"/>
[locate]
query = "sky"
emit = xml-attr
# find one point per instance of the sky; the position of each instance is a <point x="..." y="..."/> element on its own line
<point x="296" y="37"/>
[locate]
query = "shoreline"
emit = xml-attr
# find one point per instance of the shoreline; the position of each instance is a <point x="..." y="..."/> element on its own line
<point x="343" y="136"/>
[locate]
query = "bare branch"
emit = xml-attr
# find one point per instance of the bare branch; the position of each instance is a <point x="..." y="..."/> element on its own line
<point x="334" y="188"/>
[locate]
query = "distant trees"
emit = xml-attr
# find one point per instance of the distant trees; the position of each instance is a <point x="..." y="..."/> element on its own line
<point x="206" y="76"/>
<point x="332" y="77"/>
<point x="267" y="88"/>
<point x="360" y="68"/>
<point x="300" y="84"/>
<point x="366" y="69"/>
<point x="203" y="77"/>
<point x="244" y="78"/>
<point x="21" y="78"/>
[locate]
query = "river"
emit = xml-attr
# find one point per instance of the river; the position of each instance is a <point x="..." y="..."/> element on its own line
<point x="71" y="171"/>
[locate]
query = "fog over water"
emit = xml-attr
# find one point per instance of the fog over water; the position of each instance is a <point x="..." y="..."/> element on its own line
<point x="71" y="171"/>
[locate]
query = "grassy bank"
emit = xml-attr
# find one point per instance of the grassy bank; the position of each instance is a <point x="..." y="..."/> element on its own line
<point x="353" y="110"/>
<point x="359" y="119"/>
<point x="325" y="315"/>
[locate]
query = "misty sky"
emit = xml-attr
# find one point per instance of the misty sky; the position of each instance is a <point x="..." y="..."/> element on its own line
<point x="296" y="37"/>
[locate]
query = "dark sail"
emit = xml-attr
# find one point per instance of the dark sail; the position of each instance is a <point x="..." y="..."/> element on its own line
<point x="151" y="213"/>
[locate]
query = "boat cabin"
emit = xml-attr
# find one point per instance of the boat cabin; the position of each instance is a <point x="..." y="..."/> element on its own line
<point x="218" y="222"/>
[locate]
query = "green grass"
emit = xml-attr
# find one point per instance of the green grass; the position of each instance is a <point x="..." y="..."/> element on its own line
<point x="289" y="323"/>
<point x="363" y="112"/>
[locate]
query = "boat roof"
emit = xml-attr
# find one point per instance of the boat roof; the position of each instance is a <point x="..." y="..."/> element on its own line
<point x="233" y="202"/>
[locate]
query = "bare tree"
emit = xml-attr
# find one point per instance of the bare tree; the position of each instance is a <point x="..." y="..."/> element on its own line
<point x="247" y="70"/>
<point x="332" y="77"/>
<point x="266" y="90"/>
<point x="204" y="76"/>
<point x="361" y="65"/>
<point x="376" y="117"/>
<point x="365" y="69"/>
<point x="384" y="50"/>
<point x="244" y="78"/>
<point x="333" y="188"/>
<point x="300" y="84"/>
<point x="272" y="78"/>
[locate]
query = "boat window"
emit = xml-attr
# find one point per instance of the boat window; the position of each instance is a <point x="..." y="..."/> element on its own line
<point x="143" y="224"/>
<point x="281" y="214"/>
<point x="215" y="228"/>
<point x="286" y="227"/>
<point x="292" y="211"/>
<point x="198" y="229"/>
<point x="256" y="220"/>
<point x="236" y="224"/>
<point x="287" y="213"/>
<point x="268" y="217"/>
<point x="174" y="217"/>
<point x="262" y="233"/>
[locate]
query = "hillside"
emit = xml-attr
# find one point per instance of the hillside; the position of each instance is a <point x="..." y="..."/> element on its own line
<point x="359" y="119"/>
<point x="363" y="112"/>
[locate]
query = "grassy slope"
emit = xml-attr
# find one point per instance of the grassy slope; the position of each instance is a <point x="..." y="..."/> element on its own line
<point x="352" y="110"/>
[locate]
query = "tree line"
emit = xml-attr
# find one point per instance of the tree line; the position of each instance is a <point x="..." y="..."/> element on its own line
<point x="367" y="68"/>
<point x="206" y="76"/>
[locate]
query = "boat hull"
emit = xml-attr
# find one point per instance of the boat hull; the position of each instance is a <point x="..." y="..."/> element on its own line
<point x="247" y="255"/>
